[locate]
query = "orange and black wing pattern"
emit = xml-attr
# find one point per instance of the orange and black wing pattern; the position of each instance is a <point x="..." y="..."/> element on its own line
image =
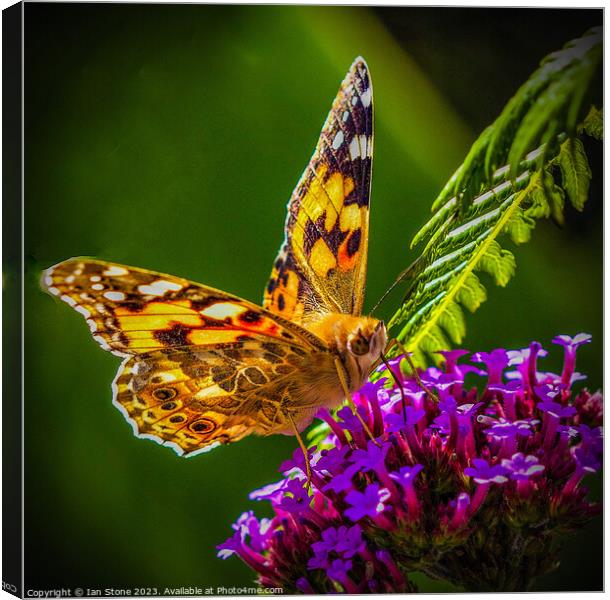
<point x="321" y="266"/>
<point x="133" y="311"/>
<point x="201" y="368"/>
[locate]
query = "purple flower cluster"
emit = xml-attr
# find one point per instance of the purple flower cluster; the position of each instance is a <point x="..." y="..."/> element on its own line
<point x="467" y="484"/>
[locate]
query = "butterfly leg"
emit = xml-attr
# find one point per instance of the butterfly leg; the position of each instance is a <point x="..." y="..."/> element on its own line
<point x="303" y="448"/>
<point x="390" y="345"/>
<point x="342" y="378"/>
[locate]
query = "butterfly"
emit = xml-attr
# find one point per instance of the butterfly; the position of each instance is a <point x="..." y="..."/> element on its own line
<point x="203" y="367"/>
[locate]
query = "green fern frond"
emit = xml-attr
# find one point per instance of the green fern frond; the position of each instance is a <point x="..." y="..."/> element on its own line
<point x="593" y="125"/>
<point x="549" y="103"/>
<point x="575" y="172"/>
<point x="481" y="202"/>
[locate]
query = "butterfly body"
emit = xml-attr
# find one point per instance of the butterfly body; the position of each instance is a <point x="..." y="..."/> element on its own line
<point x="203" y="367"/>
<point x="357" y="342"/>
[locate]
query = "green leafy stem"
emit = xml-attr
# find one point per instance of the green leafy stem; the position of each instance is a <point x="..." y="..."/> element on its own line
<point x="537" y="141"/>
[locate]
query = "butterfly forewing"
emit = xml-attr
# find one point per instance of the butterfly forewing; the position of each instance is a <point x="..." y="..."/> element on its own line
<point x="131" y="310"/>
<point x="321" y="266"/>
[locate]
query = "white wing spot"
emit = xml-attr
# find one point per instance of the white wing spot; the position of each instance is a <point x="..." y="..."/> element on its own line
<point x="115" y="271"/>
<point x="69" y="300"/>
<point x="338" y="140"/>
<point x="345" y="116"/>
<point x="70" y="278"/>
<point x="101" y="341"/>
<point x="97" y="286"/>
<point x="222" y="310"/>
<point x="115" y="296"/>
<point x="354" y="148"/>
<point x="54" y="291"/>
<point x="92" y="278"/>
<point x="159" y="288"/>
<point x="360" y="147"/>
<point x="354" y="100"/>
<point x="366" y="97"/>
<point x="83" y="311"/>
<point x="364" y="146"/>
<point x="139" y="367"/>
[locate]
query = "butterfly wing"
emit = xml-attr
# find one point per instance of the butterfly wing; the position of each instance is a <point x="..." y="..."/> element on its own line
<point x="133" y="311"/>
<point x="202" y="366"/>
<point x="321" y="266"/>
<point x="197" y="398"/>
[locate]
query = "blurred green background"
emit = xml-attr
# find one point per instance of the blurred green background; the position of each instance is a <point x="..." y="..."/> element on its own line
<point x="170" y="137"/>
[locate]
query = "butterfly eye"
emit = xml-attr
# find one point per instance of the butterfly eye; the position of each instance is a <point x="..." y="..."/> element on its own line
<point x="358" y="345"/>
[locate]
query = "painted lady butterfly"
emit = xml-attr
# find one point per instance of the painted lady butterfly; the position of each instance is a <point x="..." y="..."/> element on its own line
<point x="202" y="367"/>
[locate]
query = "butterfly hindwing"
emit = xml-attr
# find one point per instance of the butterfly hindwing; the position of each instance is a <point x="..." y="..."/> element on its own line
<point x="321" y="267"/>
<point x="159" y="401"/>
<point x="197" y="398"/>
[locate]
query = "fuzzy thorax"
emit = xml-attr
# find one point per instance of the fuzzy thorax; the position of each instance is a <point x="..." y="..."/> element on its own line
<point x="358" y="341"/>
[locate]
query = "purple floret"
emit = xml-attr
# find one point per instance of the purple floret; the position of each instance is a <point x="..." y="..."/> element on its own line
<point x="521" y="467"/>
<point x="556" y="410"/>
<point x="483" y="472"/>
<point x="572" y="342"/>
<point x="367" y="504"/>
<point x="296" y="497"/>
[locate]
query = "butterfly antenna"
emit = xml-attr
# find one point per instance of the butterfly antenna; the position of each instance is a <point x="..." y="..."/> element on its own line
<point x="404" y="275"/>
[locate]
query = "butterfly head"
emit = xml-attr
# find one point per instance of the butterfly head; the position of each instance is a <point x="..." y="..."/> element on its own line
<point x="369" y="338"/>
<point x="365" y="344"/>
